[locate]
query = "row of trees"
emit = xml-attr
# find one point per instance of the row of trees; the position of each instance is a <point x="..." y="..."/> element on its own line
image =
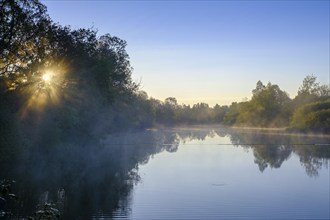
<point x="269" y="107"/>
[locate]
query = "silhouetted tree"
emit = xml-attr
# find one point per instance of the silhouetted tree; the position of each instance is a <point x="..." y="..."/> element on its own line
<point x="24" y="40"/>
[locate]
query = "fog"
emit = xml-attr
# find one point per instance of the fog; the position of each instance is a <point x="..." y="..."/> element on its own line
<point x="98" y="175"/>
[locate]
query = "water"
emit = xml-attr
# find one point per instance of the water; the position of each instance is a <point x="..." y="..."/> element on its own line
<point x="203" y="180"/>
<point x="200" y="173"/>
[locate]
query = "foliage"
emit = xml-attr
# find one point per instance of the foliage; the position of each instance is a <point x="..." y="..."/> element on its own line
<point x="310" y="108"/>
<point x="266" y="108"/>
<point x="272" y="107"/>
<point x="46" y="211"/>
<point x="269" y="107"/>
<point x="309" y="86"/>
<point x="313" y="116"/>
<point x="91" y="77"/>
<point x="6" y="195"/>
<point x="311" y="91"/>
<point x="234" y="110"/>
<point x="23" y="39"/>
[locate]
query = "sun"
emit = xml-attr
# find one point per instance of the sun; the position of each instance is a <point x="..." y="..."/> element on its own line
<point x="46" y="77"/>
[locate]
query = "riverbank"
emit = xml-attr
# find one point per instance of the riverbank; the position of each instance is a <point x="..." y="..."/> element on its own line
<point x="279" y="131"/>
<point x="284" y="131"/>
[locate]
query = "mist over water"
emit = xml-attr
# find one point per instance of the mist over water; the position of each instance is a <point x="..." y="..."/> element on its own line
<point x="195" y="173"/>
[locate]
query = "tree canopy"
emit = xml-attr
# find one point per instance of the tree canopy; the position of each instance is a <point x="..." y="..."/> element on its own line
<point x="66" y="78"/>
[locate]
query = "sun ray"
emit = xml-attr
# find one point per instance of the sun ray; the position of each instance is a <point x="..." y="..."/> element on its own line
<point x="46" y="89"/>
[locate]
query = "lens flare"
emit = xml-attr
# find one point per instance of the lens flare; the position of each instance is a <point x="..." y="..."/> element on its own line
<point x="46" y="77"/>
<point x="46" y="89"/>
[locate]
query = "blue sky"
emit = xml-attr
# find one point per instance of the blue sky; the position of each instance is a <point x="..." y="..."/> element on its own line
<point x="211" y="51"/>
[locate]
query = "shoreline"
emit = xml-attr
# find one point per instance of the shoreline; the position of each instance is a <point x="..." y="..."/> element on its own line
<point x="279" y="131"/>
<point x="265" y="130"/>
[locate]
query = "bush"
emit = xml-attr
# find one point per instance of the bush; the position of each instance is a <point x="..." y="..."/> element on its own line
<point x="314" y="116"/>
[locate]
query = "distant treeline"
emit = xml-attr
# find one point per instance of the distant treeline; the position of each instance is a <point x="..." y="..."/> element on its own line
<point x="269" y="107"/>
<point x="89" y="90"/>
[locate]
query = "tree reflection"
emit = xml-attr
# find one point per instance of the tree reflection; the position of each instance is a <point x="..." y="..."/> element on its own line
<point x="194" y="134"/>
<point x="313" y="157"/>
<point x="273" y="149"/>
<point x="85" y="180"/>
<point x="268" y="150"/>
<point x="271" y="155"/>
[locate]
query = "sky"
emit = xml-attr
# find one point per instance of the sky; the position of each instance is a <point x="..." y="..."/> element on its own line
<point x="211" y="51"/>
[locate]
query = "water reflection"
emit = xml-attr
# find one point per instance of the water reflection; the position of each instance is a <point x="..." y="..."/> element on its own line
<point x="271" y="150"/>
<point x="80" y="180"/>
<point x="96" y="178"/>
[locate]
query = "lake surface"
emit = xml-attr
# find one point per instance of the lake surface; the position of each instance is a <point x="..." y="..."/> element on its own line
<point x="186" y="173"/>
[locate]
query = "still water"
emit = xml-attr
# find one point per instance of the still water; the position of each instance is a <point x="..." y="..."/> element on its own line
<point x="195" y="173"/>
